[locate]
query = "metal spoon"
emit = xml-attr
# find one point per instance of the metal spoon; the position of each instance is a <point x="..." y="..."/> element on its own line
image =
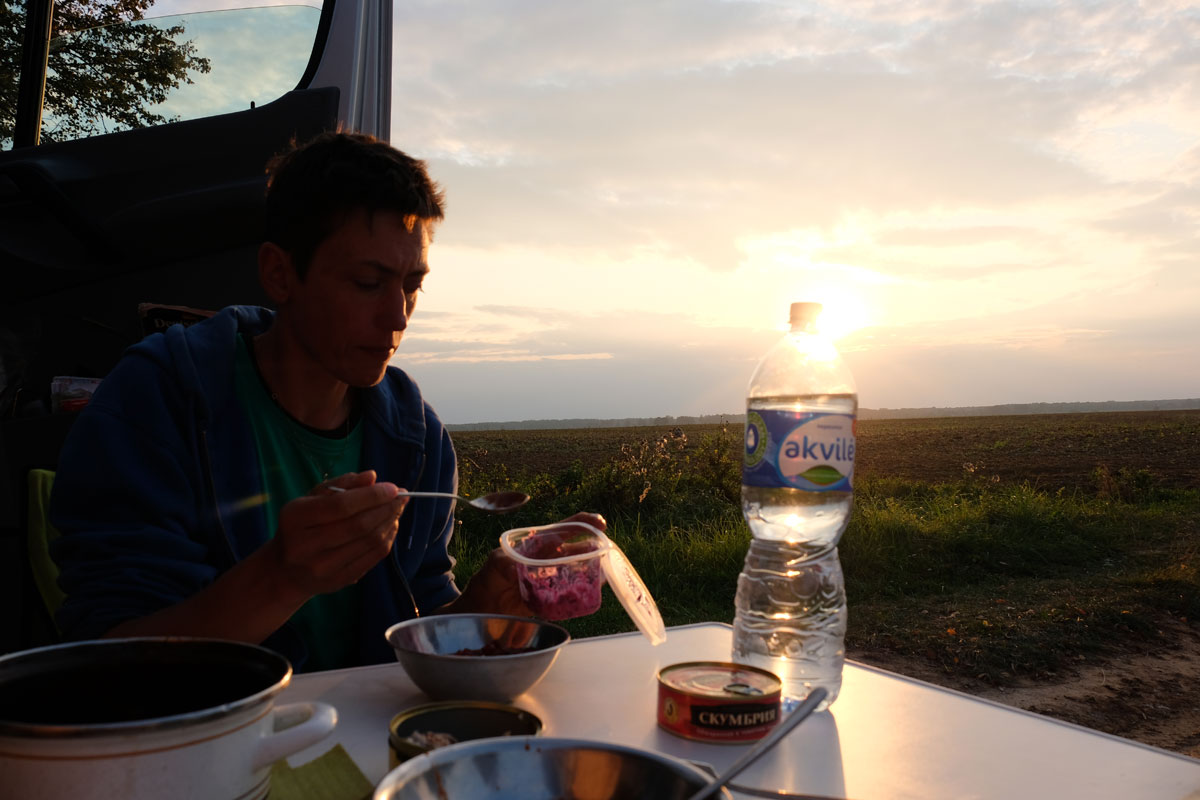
<point x="496" y="502"/>
<point x="790" y="721"/>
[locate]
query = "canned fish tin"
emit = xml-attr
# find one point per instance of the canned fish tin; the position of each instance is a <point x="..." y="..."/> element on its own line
<point x="715" y="701"/>
<point x="424" y="728"/>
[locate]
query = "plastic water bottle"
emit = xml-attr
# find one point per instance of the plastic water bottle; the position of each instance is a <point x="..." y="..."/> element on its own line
<point x="790" y="610"/>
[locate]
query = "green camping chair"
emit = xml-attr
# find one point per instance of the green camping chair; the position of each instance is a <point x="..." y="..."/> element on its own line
<point x="41" y="533"/>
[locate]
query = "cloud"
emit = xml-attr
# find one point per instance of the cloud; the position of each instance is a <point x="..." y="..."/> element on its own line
<point x="1172" y="215"/>
<point x="486" y="355"/>
<point x="587" y="364"/>
<point x="690" y="369"/>
<point x="741" y="119"/>
<point x="538" y="314"/>
<point x="953" y="237"/>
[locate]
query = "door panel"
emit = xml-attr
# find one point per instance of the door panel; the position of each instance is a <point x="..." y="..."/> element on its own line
<point x="171" y="214"/>
<point x="90" y="228"/>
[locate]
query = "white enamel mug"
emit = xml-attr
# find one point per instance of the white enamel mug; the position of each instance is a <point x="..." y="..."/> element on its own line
<point x="149" y="718"/>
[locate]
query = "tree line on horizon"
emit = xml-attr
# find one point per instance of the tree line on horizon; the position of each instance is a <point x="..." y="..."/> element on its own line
<point x="739" y="418"/>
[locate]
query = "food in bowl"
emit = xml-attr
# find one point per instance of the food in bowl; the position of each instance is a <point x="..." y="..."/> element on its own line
<point x="430" y="740"/>
<point x="437" y="725"/>
<point x="492" y="649"/>
<point x="430" y="649"/>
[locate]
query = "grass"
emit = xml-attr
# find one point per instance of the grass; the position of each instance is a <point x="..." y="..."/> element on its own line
<point x="1022" y="583"/>
<point x="989" y="578"/>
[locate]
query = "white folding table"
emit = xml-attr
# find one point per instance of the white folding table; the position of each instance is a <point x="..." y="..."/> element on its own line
<point x="887" y="736"/>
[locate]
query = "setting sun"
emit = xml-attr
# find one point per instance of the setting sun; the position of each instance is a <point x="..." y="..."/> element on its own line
<point x="842" y="311"/>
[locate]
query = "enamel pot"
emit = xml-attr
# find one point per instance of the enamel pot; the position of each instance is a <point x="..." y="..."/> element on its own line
<point x="149" y="718"/>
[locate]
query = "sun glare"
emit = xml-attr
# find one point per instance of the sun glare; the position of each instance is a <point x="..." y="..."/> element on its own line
<point x="842" y="311"/>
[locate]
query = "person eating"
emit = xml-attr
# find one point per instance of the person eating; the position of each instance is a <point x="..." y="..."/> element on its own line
<point x="242" y="478"/>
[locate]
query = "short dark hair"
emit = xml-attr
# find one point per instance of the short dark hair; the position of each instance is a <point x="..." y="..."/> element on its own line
<point x="314" y="186"/>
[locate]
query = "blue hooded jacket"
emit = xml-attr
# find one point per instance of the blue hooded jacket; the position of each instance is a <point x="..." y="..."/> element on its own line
<point x="151" y="482"/>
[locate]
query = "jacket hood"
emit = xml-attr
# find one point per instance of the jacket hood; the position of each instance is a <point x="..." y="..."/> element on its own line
<point x="198" y="356"/>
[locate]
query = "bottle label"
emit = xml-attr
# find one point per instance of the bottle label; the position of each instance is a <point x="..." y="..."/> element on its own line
<point x="799" y="449"/>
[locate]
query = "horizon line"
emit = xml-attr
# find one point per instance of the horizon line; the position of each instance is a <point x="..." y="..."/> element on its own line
<point x="882" y="412"/>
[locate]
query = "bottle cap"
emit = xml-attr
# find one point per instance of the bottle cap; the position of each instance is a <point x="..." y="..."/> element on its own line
<point x="805" y="312"/>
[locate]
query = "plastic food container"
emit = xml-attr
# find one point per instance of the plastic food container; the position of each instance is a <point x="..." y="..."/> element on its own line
<point x="562" y="567"/>
<point x="558" y="568"/>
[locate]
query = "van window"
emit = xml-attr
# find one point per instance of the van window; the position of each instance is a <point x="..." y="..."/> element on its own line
<point x="113" y="66"/>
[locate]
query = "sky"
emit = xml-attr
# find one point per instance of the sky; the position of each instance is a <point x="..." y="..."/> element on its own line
<point x="996" y="201"/>
<point x="1000" y="198"/>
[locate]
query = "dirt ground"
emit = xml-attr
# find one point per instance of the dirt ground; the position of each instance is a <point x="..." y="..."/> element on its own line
<point x="1048" y="450"/>
<point x="1153" y="698"/>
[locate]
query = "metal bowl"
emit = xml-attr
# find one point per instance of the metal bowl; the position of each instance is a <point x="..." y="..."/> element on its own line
<point x="430" y="649"/>
<point x="525" y="768"/>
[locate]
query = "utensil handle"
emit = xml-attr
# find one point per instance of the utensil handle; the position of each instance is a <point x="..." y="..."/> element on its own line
<point x="339" y="490"/>
<point x="409" y="494"/>
<point x="814" y="699"/>
<point x="297" y="726"/>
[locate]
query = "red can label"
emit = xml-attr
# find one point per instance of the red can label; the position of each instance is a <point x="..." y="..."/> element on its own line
<point x="714" y="701"/>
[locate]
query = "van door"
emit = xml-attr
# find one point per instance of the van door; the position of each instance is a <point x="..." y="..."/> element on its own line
<point x="161" y="205"/>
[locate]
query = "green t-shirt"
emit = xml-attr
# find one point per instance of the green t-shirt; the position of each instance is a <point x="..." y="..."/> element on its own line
<point x="294" y="458"/>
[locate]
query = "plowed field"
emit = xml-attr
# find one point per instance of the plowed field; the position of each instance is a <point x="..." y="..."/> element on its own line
<point x="1049" y="450"/>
